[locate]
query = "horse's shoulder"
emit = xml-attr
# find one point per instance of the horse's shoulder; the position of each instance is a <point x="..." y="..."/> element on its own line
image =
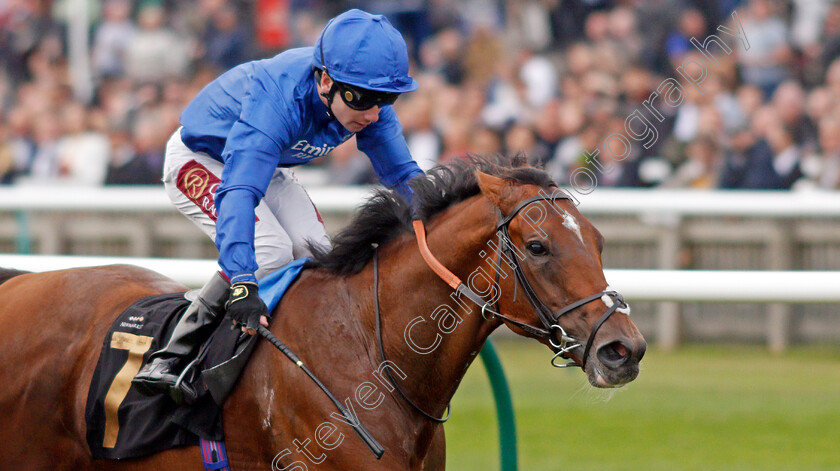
<point x="318" y="283"/>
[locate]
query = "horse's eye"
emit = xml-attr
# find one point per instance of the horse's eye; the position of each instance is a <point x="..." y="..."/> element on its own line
<point x="536" y="248"/>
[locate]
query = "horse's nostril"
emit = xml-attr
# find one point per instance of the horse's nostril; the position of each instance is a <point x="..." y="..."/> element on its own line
<point x="614" y="354"/>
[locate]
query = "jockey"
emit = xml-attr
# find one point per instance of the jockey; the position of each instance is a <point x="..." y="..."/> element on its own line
<point x="227" y="166"/>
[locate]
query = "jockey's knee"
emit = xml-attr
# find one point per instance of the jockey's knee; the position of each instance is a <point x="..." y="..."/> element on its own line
<point x="271" y="259"/>
<point x="273" y="264"/>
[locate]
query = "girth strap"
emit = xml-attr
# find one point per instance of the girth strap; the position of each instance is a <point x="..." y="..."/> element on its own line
<point x="214" y="455"/>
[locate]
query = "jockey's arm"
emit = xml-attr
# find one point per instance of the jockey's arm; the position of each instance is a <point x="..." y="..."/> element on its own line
<point x="384" y="144"/>
<point x="244" y="181"/>
<point x="249" y="166"/>
<point x="251" y="155"/>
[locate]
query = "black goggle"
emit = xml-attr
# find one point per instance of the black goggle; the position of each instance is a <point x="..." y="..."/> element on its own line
<point x="360" y="99"/>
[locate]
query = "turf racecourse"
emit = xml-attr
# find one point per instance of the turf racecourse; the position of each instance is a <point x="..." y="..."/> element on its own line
<point x="720" y="408"/>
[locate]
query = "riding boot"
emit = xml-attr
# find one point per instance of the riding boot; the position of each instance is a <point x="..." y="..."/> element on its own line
<point x="161" y="372"/>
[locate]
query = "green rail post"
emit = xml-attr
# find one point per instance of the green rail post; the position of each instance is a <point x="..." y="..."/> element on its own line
<point x="23" y="244"/>
<point x="504" y="406"/>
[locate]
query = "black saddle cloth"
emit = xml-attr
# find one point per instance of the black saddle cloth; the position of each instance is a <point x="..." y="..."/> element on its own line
<point x="121" y="422"/>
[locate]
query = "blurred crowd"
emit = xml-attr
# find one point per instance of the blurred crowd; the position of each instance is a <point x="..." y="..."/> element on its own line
<point x="553" y="79"/>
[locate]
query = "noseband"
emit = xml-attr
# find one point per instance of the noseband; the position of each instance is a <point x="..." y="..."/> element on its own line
<point x="561" y="343"/>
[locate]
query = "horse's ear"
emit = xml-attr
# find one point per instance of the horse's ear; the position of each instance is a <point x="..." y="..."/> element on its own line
<point x="495" y="188"/>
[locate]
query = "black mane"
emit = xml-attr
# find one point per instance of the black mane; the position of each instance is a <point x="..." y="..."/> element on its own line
<point x="386" y="214"/>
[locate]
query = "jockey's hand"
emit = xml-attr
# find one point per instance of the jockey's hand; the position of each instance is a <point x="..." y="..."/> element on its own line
<point x="245" y="307"/>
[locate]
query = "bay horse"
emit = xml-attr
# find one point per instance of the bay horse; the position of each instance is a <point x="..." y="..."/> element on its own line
<point x="54" y="324"/>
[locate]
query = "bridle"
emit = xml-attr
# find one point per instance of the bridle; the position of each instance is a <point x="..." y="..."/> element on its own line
<point x="550" y="321"/>
<point x="561" y="343"/>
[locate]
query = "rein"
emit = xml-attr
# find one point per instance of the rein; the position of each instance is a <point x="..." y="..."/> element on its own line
<point x="550" y="321"/>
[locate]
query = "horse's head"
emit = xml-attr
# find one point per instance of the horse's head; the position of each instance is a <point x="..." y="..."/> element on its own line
<point x="563" y="298"/>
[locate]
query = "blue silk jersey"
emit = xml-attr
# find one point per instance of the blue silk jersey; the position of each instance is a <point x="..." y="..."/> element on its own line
<point x="265" y="114"/>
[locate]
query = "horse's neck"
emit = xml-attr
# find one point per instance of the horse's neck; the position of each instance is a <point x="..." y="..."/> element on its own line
<point x="429" y="334"/>
<point x="343" y="333"/>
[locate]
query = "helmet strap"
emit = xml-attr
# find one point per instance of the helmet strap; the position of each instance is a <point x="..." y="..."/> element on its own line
<point x="330" y="95"/>
<point x="329" y="98"/>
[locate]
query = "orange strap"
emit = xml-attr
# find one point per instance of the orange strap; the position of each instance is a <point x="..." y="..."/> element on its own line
<point x="434" y="264"/>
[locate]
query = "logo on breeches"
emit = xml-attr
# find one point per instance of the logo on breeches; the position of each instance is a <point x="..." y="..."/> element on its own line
<point x="200" y="185"/>
<point x="195" y="181"/>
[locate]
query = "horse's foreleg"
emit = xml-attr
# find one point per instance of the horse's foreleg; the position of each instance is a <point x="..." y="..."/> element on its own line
<point x="436" y="458"/>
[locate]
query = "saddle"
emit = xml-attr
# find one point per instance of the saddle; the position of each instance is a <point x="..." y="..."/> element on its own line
<point x="121" y="422"/>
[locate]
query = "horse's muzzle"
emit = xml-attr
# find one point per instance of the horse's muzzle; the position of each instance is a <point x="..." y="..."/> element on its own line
<point x="616" y="362"/>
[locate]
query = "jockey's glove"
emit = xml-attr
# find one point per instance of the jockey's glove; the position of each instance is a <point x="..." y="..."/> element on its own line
<point x="244" y="305"/>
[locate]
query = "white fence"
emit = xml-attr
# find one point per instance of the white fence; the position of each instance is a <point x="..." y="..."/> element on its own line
<point x="636" y="285"/>
<point x="773" y="204"/>
<point x="777" y="234"/>
<point x="141" y="199"/>
<point x="640" y="285"/>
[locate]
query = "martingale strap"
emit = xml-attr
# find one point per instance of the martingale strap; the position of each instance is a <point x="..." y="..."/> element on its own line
<point x="381" y="345"/>
<point x="450" y="278"/>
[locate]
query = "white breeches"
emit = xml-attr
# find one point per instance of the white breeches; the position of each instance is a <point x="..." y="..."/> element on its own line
<point x="286" y="217"/>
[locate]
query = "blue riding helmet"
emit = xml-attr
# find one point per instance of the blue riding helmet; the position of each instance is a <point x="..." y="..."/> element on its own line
<point x="364" y="51"/>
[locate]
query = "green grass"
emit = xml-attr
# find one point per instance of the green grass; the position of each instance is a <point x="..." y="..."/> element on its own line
<point x="721" y="408"/>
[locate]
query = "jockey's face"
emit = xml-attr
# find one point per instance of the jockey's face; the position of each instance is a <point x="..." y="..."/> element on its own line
<point x="352" y="120"/>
